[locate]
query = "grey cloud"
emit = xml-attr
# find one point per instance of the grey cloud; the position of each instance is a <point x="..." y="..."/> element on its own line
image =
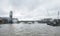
<point x="30" y="4"/>
<point x="3" y="13"/>
<point x="30" y="8"/>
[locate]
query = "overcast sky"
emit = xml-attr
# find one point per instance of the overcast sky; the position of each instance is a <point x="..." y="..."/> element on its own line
<point x="30" y="9"/>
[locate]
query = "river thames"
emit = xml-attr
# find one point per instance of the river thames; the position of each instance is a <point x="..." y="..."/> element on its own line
<point x="22" y="29"/>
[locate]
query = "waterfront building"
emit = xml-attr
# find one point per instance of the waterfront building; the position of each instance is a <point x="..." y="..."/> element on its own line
<point x="1" y="20"/>
<point x="15" y="20"/>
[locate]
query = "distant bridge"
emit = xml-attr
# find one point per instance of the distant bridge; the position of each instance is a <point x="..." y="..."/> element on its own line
<point x="28" y="21"/>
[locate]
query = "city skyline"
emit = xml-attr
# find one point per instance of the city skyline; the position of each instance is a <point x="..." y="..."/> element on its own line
<point x="30" y="9"/>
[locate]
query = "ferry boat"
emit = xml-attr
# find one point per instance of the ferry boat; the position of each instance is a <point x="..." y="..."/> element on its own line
<point x="55" y="22"/>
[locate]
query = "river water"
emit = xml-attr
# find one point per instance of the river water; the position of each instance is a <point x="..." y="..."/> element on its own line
<point x="22" y="29"/>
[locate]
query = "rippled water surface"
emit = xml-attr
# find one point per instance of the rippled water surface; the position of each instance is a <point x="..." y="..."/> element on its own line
<point x="29" y="30"/>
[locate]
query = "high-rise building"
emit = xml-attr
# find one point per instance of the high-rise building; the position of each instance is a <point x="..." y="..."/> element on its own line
<point x="11" y="16"/>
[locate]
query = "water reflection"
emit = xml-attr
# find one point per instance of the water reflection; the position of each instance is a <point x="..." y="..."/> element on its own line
<point x="28" y="30"/>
